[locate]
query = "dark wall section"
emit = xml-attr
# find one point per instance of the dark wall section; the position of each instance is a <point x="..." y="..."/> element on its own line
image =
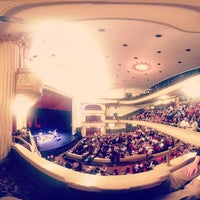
<point x="49" y="119"/>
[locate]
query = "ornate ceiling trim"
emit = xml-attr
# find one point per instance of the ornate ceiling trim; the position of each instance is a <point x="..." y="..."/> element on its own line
<point x="13" y="38"/>
<point x="8" y="8"/>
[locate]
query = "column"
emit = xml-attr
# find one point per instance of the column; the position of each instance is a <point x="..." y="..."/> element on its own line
<point x="9" y="61"/>
<point x="76" y="114"/>
<point x="28" y="92"/>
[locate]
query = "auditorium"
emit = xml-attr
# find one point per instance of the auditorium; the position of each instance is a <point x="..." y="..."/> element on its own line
<point x="99" y="99"/>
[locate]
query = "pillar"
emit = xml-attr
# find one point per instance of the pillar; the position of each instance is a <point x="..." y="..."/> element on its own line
<point x="9" y="62"/>
<point x="76" y="113"/>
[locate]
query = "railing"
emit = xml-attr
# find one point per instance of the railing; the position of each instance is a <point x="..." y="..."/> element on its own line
<point x="166" y="83"/>
<point x="30" y="145"/>
<point x="167" y="155"/>
<point x="23" y="142"/>
<point x="169" y="124"/>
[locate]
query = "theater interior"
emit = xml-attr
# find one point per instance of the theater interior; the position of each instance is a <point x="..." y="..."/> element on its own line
<point x="99" y="99"/>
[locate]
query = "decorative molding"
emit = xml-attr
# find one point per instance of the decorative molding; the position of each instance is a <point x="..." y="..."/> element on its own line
<point x="29" y="84"/>
<point x="141" y="66"/>
<point x="18" y="39"/>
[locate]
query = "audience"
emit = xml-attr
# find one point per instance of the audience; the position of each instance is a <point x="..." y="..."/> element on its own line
<point x="178" y="114"/>
<point x="140" y="141"/>
<point x="120" y="145"/>
<point x="143" y="140"/>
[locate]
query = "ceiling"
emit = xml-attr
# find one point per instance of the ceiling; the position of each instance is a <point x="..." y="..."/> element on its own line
<point x="165" y="35"/>
<point x="52" y="100"/>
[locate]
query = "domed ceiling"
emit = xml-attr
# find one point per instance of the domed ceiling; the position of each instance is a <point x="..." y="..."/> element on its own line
<point x="115" y="44"/>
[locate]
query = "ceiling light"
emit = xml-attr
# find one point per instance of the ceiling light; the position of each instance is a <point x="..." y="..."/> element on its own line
<point x="158" y="35"/>
<point x="141" y="66"/>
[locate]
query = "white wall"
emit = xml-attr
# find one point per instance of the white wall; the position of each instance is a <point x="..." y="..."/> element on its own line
<point x="121" y="93"/>
<point x="121" y="110"/>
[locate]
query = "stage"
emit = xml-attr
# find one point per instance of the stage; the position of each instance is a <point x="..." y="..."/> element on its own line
<point x="51" y="141"/>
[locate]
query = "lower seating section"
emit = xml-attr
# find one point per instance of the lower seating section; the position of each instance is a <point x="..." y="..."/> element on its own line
<point x="123" y="153"/>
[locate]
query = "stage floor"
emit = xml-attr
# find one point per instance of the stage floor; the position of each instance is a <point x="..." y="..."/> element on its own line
<point x="52" y="140"/>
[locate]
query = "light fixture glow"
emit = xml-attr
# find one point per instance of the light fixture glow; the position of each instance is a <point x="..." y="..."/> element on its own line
<point x="72" y="69"/>
<point x="191" y="89"/>
<point x="141" y="66"/>
<point x="21" y="105"/>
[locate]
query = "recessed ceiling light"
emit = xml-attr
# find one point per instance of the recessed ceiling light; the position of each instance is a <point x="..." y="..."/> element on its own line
<point x="158" y="35"/>
<point x="124" y="45"/>
<point x="101" y="29"/>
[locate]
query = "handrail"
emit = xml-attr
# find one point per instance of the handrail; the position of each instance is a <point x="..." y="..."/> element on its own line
<point x="89" y="182"/>
<point x="27" y="144"/>
<point x="166" y="83"/>
<point x="34" y="146"/>
<point x="30" y="146"/>
<point x="128" y="159"/>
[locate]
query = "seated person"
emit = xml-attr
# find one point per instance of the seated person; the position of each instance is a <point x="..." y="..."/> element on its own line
<point x="24" y="133"/>
<point x="184" y="183"/>
<point x="193" y="124"/>
<point x="184" y="123"/>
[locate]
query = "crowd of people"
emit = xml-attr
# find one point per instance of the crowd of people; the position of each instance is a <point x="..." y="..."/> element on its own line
<point x="104" y="170"/>
<point x="184" y="115"/>
<point x="184" y="182"/>
<point x="142" y="140"/>
<point x="118" y="169"/>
